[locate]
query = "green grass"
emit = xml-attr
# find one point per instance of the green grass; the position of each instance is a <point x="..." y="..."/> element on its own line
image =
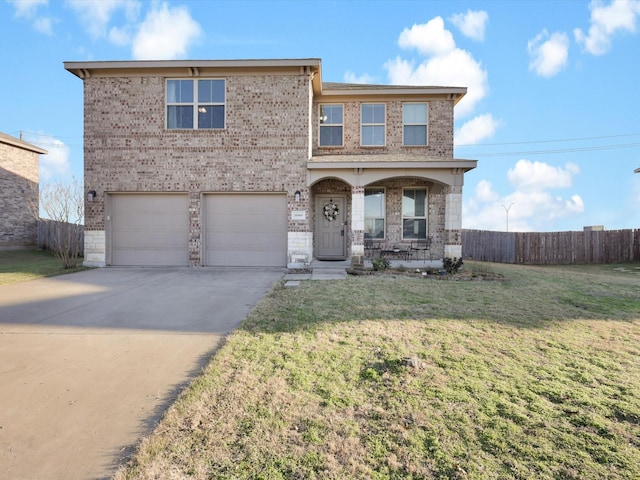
<point x="534" y="377"/>
<point x="22" y="265"/>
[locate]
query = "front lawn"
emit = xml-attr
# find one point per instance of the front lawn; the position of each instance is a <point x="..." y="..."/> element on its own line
<point x="381" y="377"/>
<point x="22" y="265"/>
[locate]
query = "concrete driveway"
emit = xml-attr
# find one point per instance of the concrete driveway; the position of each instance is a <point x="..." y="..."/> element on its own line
<point x="89" y="361"/>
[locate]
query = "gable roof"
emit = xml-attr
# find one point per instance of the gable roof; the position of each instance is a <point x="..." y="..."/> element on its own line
<point x="15" y="142"/>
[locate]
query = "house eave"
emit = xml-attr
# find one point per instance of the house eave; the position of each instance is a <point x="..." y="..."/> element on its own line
<point x="388" y="162"/>
<point x="354" y="90"/>
<point x="9" y="140"/>
<point x="85" y="70"/>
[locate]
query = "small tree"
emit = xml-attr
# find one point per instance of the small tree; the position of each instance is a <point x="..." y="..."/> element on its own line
<point x="63" y="205"/>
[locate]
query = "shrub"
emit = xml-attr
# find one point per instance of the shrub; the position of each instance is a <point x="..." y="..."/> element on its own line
<point x="380" y="264"/>
<point x="452" y="265"/>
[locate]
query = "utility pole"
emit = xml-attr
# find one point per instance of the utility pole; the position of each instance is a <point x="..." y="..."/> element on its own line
<point x="506" y="209"/>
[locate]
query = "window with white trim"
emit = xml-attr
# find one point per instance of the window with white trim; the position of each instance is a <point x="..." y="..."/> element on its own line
<point x="374" y="213"/>
<point x="372" y="124"/>
<point x="414" y="213"/>
<point x="414" y="124"/>
<point x="195" y="104"/>
<point x="331" y="125"/>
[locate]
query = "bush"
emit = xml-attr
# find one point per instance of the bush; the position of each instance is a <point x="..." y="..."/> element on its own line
<point x="452" y="265"/>
<point x="380" y="264"/>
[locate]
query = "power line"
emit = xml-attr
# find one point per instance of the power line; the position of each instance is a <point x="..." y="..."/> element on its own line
<point x="554" y="151"/>
<point x="577" y="139"/>
<point x="39" y="134"/>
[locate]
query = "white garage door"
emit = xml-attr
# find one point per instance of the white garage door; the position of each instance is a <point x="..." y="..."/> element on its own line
<point x="245" y="230"/>
<point x="149" y="229"/>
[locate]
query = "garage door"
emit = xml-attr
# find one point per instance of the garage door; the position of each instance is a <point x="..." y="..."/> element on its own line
<point x="245" y="230"/>
<point x="149" y="229"/>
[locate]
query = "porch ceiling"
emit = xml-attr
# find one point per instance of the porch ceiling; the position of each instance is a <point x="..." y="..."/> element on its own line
<point x="362" y="170"/>
<point x="392" y="161"/>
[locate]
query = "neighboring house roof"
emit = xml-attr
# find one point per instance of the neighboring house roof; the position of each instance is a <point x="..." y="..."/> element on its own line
<point x="15" y="142"/>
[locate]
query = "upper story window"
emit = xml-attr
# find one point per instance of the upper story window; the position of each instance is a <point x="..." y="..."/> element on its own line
<point x="331" y="125"/>
<point x="414" y="124"/>
<point x="372" y="124"/>
<point x="195" y="104"/>
<point x="414" y="213"/>
<point x="374" y="213"/>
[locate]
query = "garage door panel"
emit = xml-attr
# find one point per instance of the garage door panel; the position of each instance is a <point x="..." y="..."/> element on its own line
<point x="149" y="229"/>
<point x="233" y="242"/>
<point x="129" y="257"/>
<point x="142" y="240"/>
<point x="246" y="230"/>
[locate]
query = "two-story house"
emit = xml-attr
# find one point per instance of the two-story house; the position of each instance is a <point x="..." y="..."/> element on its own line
<point x="260" y="163"/>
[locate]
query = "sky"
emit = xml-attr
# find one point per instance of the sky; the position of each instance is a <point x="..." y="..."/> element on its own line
<point x="552" y="111"/>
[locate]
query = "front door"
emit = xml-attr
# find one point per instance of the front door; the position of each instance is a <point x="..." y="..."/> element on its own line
<point x="331" y="227"/>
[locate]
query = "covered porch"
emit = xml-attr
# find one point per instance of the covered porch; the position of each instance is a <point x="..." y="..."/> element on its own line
<point x="387" y="203"/>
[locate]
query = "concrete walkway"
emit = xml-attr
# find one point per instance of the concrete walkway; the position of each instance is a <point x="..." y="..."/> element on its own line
<point x="90" y="360"/>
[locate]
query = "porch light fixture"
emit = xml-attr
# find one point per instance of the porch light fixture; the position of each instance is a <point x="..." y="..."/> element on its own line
<point x="296" y="196"/>
<point x="91" y="195"/>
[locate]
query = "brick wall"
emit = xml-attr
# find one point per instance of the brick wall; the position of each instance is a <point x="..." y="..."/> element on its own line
<point x="436" y="199"/>
<point x="18" y="190"/>
<point x="440" y="130"/>
<point x="264" y="147"/>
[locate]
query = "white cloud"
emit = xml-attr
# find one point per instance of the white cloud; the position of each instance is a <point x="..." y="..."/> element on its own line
<point x="165" y="34"/>
<point x="56" y="162"/>
<point x="475" y="130"/>
<point x="527" y="175"/>
<point x="350" y="77"/>
<point x="430" y="38"/>
<point x="27" y="8"/>
<point x="606" y="20"/>
<point x="120" y="36"/>
<point x="472" y="24"/>
<point x="445" y="65"/>
<point x="454" y="69"/>
<point x="485" y="193"/>
<point x="548" y="53"/>
<point x="43" y="25"/>
<point x="96" y="16"/>
<point x="531" y="206"/>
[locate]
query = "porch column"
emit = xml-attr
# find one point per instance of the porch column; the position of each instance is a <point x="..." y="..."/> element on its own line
<point x="453" y="223"/>
<point x="357" y="225"/>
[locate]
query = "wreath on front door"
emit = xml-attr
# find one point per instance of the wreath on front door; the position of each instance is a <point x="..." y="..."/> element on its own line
<point x="331" y="211"/>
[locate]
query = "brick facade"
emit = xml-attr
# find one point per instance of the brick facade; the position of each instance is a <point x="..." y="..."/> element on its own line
<point x="18" y="192"/>
<point x="440" y="129"/>
<point x="269" y="144"/>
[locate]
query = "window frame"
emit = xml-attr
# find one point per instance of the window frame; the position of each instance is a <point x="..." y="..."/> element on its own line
<point x="383" y="217"/>
<point x="195" y="104"/>
<point x="424" y="217"/>
<point x="373" y="124"/>
<point x="410" y="124"/>
<point x="330" y="125"/>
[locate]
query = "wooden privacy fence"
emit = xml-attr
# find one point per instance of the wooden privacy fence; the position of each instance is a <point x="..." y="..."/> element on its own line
<point x="548" y="248"/>
<point x="49" y="231"/>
